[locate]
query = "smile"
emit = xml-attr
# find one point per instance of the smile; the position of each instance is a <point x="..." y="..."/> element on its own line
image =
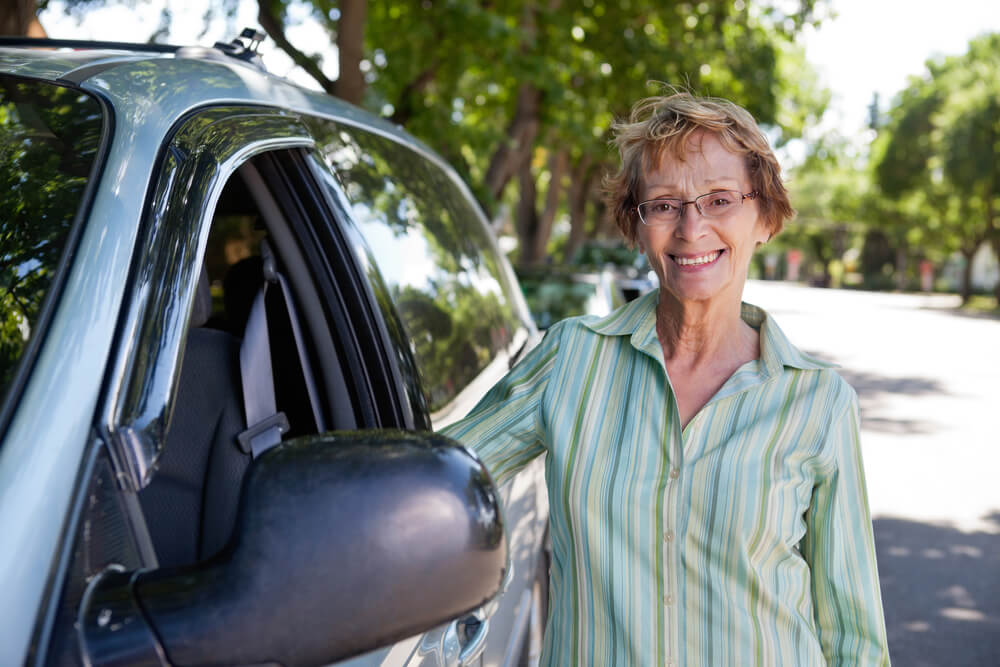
<point x="697" y="261"/>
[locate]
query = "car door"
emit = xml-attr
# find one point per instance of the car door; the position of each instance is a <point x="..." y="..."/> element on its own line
<point x="110" y="527"/>
<point x="142" y="499"/>
<point x="456" y="323"/>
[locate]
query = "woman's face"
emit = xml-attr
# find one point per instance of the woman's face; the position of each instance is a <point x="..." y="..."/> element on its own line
<point x="697" y="258"/>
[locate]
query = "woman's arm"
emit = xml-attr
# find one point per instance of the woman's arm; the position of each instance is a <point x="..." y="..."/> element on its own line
<point x="505" y="428"/>
<point x="840" y="549"/>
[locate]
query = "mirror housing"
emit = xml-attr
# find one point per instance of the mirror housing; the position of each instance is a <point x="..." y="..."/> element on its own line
<point x="344" y="543"/>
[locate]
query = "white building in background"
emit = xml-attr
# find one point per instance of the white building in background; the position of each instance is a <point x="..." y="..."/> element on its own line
<point x="985" y="270"/>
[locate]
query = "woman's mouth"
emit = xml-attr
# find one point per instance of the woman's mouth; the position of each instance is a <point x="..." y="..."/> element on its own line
<point x="697" y="261"/>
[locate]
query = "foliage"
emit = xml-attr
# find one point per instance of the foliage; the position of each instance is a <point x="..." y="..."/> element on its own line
<point x="937" y="157"/>
<point x="49" y="136"/>
<point x="519" y="95"/>
<point x="828" y="190"/>
<point x="430" y="257"/>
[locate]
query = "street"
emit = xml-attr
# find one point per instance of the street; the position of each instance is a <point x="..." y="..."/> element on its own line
<point x="928" y="379"/>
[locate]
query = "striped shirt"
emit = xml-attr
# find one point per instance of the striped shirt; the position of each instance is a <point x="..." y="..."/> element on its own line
<point x="742" y="539"/>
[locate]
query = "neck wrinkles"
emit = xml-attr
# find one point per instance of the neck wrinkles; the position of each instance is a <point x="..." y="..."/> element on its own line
<point x="695" y="333"/>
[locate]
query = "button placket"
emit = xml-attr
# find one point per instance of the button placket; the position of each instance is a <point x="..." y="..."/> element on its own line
<point x="669" y="600"/>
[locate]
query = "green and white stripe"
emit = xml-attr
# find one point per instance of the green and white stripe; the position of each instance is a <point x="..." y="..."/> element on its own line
<point x="744" y="539"/>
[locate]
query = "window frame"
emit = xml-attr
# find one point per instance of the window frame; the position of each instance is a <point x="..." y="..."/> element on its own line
<point x="202" y="154"/>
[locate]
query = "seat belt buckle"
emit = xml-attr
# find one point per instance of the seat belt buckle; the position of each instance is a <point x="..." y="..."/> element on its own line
<point x="263" y="435"/>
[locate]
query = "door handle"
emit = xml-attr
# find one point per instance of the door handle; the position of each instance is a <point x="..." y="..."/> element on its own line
<point x="469" y="634"/>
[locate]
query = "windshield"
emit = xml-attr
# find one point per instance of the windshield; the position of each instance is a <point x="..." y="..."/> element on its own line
<point x="49" y="139"/>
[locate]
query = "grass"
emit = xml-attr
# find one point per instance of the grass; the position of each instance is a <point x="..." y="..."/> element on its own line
<point x="982" y="304"/>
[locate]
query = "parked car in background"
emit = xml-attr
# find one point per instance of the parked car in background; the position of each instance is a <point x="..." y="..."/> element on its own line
<point x="555" y="293"/>
<point x="233" y="312"/>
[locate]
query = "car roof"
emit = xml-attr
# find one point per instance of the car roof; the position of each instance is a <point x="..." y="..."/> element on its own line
<point x="193" y="77"/>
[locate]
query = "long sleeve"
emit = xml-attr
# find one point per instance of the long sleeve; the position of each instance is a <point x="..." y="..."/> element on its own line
<point x="505" y="428"/>
<point x="840" y="549"/>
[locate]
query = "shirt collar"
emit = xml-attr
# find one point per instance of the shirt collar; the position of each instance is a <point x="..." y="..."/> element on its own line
<point x="637" y="319"/>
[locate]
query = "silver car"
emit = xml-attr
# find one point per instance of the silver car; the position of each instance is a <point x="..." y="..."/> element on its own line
<point x="234" y="313"/>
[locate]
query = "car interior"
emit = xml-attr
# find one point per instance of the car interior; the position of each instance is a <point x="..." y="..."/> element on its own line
<point x="246" y="379"/>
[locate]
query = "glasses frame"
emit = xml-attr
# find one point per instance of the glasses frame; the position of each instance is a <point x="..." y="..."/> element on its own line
<point x="753" y="194"/>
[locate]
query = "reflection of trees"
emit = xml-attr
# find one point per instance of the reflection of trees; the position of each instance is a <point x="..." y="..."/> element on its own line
<point x="458" y="316"/>
<point x="455" y="333"/>
<point x="49" y="136"/>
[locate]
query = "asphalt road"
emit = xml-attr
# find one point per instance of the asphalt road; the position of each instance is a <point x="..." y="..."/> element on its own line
<point x="928" y="380"/>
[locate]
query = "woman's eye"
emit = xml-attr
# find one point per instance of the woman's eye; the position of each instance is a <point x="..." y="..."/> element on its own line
<point x="719" y="202"/>
<point x="663" y="207"/>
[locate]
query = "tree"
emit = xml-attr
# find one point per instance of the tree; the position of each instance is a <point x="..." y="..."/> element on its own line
<point x="519" y="94"/>
<point x="828" y="190"/>
<point x="939" y="151"/>
<point x="19" y="17"/>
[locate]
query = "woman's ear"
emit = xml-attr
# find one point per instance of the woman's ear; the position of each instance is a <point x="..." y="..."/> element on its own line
<point x="763" y="235"/>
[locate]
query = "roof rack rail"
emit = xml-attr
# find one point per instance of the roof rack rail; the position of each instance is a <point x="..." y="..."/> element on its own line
<point x="86" y="44"/>
<point x="245" y="47"/>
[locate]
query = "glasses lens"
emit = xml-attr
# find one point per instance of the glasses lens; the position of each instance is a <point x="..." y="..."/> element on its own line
<point x="659" y="211"/>
<point x="715" y="204"/>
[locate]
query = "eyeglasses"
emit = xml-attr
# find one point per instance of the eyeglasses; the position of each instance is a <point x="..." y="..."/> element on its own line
<point x="666" y="210"/>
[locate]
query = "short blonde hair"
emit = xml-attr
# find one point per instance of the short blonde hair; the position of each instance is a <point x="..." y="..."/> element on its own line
<point x="662" y="126"/>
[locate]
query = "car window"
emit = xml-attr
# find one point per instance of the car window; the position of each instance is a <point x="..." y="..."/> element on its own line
<point x="49" y="140"/>
<point x="430" y="247"/>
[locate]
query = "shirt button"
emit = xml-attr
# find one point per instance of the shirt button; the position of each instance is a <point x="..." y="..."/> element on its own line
<point x="675" y="473"/>
<point x="668" y="535"/>
<point x="668" y="600"/>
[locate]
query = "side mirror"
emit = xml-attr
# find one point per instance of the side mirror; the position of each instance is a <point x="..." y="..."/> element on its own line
<point x="344" y="543"/>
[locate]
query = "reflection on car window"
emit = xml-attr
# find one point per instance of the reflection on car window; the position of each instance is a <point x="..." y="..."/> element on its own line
<point x="433" y="253"/>
<point x="49" y="138"/>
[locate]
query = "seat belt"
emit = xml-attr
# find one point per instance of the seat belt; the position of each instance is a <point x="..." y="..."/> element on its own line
<point x="265" y="424"/>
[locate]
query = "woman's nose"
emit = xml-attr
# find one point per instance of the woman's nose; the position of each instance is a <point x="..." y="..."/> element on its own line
<point x="691" y="224"/>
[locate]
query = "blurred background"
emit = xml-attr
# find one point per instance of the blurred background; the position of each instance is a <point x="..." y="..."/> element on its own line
<point x="885" y="113"/>
<point x="886" y="116"/>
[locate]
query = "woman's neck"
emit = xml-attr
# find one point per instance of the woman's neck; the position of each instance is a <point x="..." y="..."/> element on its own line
<point x="694" y="334"/>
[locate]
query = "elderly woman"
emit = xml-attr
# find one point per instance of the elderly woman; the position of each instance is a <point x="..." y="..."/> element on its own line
<point x="708" y="502"/>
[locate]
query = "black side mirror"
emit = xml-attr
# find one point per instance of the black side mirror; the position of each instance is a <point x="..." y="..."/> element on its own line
<point x="344" y="543"/>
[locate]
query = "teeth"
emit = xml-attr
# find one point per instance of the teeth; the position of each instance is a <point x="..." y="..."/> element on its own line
<point x="704" y="259"/>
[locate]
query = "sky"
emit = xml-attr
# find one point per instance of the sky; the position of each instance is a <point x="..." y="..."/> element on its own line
<point x="875" y="45"/>
<point x="867" y="46"/>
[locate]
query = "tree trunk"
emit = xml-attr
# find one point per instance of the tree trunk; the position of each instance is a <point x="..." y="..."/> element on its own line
<point x="526" y="215"/>
<point x="968" y="254"/>
<point x="520" y="140"/>
<point x="350" y="85"/>
<point x="19" y="18"/>
<point x="579" y="189"/>
<point x="558" y="165"/>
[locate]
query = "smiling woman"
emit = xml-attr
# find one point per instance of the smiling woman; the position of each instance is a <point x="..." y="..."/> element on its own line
<point x="708" y="502"/>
